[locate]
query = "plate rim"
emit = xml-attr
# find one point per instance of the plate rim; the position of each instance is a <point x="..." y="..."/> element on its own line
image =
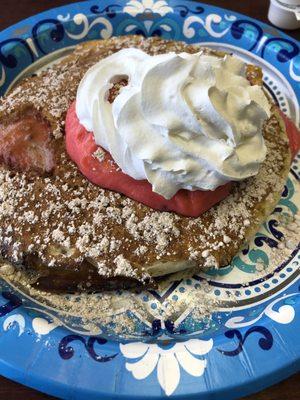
<point x="292" y="366"/>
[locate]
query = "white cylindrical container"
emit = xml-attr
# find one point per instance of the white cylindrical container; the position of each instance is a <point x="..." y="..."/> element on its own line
<point x="285" y="14"/>
<point x="290" y="2"/>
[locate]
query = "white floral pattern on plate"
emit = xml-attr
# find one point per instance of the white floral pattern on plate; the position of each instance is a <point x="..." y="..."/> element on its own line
<point x="167" y="360"/>
<point x="135" y="7"/>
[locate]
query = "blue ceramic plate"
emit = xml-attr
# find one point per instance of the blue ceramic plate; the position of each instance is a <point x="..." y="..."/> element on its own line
<point x="251" y="340"/>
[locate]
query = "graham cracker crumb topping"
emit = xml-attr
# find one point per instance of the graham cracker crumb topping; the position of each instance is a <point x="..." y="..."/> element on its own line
<point x="65" y="222"/>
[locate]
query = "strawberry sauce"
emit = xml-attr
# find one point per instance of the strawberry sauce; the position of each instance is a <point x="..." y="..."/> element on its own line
<point x="105" y="173"/>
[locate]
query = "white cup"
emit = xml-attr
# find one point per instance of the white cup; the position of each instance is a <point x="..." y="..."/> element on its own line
<point x="290" y="2"/>
<point x="285" y="14"/>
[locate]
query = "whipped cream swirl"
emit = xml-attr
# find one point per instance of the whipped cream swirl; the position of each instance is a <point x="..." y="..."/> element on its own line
<point x="184" y="121"/>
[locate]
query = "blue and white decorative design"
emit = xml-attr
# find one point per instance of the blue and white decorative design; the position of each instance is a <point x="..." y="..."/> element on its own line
<point x="166" y="359"/>
<point x="162" y="352"/>
<point x="81" y="20"/>
<point x="208" y="25"/>
<point x="17" y="319"/>
<point x="284" y="315"/>
<point x="265" y="342"/>
<point x="135" y="7"/>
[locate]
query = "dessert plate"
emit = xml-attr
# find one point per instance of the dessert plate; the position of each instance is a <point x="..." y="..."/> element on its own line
<point x="222" y="334"/>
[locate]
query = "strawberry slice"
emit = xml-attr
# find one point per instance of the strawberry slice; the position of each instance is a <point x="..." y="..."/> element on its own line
<point x="25" y="145"/>
<point x="293" y="134"/>
<point x="104" y="172"/>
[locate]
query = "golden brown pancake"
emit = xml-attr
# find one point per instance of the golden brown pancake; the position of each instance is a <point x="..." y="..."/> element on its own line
<point x="75" y="235"/>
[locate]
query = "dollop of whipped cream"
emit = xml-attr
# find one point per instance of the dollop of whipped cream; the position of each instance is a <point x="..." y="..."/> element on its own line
<point x="184" y="121"/>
